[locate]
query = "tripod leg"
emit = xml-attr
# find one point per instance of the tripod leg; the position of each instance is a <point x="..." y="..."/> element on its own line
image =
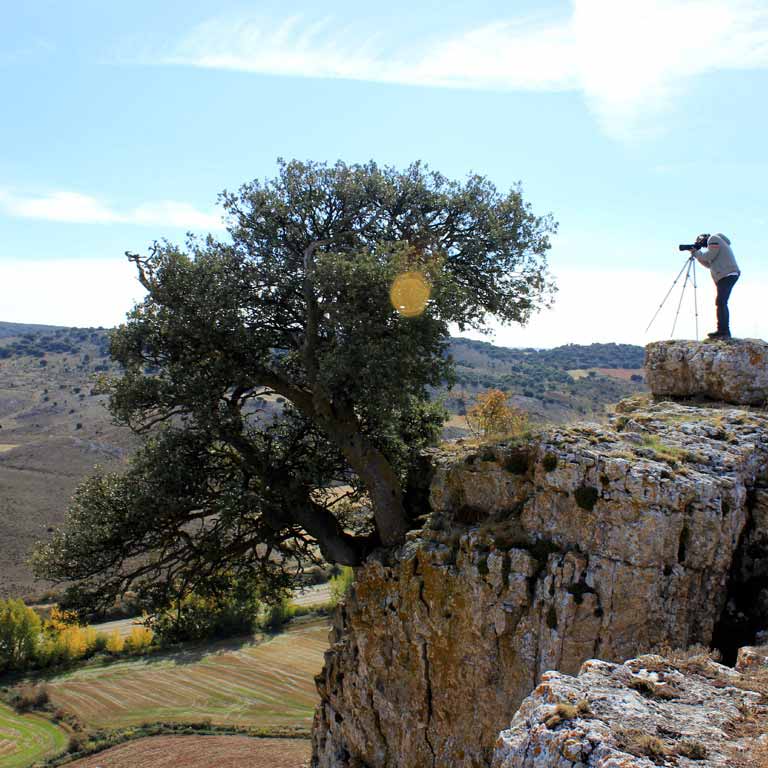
<point x="664" y="300"/>
<point x="682" y="293"/>
<point x="695" y="300"/>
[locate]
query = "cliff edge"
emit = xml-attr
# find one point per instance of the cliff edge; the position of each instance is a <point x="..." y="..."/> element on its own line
<point x="593" y="541"/>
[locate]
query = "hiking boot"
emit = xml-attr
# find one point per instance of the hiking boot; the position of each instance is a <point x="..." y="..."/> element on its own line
<point x="719" y="335"/>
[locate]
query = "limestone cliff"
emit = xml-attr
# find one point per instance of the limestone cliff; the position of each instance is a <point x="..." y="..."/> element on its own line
<point x="586" y="542"/>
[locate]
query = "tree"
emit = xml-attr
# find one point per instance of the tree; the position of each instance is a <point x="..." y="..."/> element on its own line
<point x="19" y="634"/>
<point x="491" y="415"/>
<point x="334" y="293"/>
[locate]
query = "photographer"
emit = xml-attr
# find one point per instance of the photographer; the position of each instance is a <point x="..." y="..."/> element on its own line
<point x="718" y="257"/>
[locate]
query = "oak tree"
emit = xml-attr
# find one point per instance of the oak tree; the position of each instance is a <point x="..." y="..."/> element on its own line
<point x="282" y="376"/>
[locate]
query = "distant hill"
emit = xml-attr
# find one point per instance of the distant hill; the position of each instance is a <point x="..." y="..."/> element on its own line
<point x="553" y="385"/>
<point x="55" y="427"/>
<point x="17" y="329"/>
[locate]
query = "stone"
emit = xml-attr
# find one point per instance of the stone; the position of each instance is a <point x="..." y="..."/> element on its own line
<point x="647" y="711"/>
<point x="728" y="370"/>
<point x="589" y="541"/>
<point x="750" y="658"/>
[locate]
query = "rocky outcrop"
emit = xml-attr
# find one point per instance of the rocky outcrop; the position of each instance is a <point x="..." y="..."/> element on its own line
<point x="587" y="542"/>
<point x="731" y="371"/>
<point x="648" y="711"/>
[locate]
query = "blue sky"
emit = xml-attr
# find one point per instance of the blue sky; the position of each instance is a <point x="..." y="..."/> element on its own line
<point x="638" y="125"/>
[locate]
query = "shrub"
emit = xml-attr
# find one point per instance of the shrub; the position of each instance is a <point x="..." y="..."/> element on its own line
<point x="694" y="750"/>
<point x="564" y="711"/>
<point x="28" y="697"/>
<point x="549" y="462"/>
<point x="586" y="497"/>
<point x="77" y="743"/>
<point x="277" y="614"/>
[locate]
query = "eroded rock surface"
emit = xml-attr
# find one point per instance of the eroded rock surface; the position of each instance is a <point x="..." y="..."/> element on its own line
<point x="589" y="542"/>
<point x="648" y="711"/>
<point x="732" y="371"/>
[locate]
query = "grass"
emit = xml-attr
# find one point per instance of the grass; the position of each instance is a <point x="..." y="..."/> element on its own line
<point x="269" y="684"/>
<point x="564" y="711"/>
<point x="669" y="453"/>
<point x="26" y="739"/>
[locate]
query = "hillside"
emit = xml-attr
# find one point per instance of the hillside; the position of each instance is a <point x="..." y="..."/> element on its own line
<point x="55" y="427"/>
<point x="554" y="385"/>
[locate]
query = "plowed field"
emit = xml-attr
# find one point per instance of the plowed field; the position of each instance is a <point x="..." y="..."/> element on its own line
<point x="266" y="685"/>
<point x="202" y="752"/>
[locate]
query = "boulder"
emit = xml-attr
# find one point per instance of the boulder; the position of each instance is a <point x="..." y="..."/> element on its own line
<point x="647" y="711"/>
<point x="728" y="370"/>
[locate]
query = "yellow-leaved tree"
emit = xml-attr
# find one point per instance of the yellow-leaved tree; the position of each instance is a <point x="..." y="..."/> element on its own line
<point x="492" y="416"/>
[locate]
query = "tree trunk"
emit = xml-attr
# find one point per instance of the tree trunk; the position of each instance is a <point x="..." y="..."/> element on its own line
<point x="374" y="469"/>
<point x="377" y="473"/>
<point x="336" y="545"/>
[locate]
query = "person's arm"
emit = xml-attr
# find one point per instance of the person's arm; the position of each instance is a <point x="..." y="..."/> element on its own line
<point x="713" y="249"/>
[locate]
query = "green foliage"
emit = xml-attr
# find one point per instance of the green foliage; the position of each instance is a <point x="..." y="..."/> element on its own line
<point x="226" y="612"/>
<point x="341" y="584"/>
<point x="672" y="454"/>
<point x="277" y="614"/>
<point x="274" y="366"/>
<point x="19" y="634"/>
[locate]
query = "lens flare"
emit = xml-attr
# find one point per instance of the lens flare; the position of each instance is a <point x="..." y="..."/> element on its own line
<point x="409" y="293"/>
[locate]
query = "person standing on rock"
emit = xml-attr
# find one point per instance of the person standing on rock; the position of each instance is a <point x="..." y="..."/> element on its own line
<point x="718" y="258"/>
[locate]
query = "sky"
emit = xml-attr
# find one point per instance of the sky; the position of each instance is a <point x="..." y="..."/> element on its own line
<point x="637" y="125"/>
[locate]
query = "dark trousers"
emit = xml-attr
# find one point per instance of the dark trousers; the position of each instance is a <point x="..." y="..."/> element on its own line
<point x="724" y="288"/>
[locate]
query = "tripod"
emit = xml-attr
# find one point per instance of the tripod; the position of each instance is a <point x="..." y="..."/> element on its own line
<point x="690" y="274"/>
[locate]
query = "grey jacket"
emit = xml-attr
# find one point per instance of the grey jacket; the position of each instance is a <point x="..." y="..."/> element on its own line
<point x="718" y="257"/>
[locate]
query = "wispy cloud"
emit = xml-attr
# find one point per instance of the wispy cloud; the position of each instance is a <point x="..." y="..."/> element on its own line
<point x="75" y="207"/>
<point x="628" y="59"/>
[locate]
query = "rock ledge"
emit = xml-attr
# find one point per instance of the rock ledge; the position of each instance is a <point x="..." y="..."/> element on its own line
<point x="648" y="711"/>
<point x="732" y="371"/>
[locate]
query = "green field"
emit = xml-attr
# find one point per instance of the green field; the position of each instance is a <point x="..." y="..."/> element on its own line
<point x="267" y="685"/>
<point x="25" y="739"/>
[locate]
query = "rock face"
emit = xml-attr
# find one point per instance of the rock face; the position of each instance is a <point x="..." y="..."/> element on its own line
<point x="732" y="371"/>
<point x="647" y="711"/>
<point x="589" y="542"/>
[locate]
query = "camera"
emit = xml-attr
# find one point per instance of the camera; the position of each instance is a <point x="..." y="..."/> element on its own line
<point x="701" y="241"/>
